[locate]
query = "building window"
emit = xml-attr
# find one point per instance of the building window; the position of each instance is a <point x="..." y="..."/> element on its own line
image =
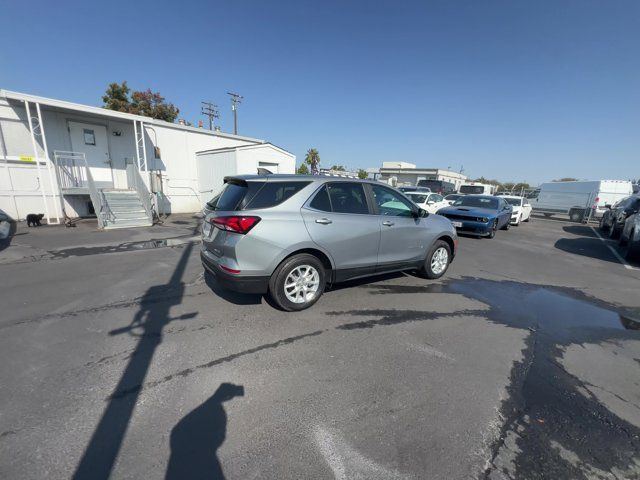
<point x="89" y="137"/>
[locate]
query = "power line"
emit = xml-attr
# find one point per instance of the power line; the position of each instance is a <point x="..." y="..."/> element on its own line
<point x="236" y="99"/>
<point x="210" y="110"/>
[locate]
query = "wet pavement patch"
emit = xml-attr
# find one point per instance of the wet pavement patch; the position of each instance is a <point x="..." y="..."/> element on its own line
<point x="124" y="247"/>
<point x="549" y="411"/>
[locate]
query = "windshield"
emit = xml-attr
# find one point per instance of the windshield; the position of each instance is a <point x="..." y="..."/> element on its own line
<point x="417" y="197"/>
<point x="478" y="202"/>
<point x="516" y="202"/>
<point x="472" y="189"/>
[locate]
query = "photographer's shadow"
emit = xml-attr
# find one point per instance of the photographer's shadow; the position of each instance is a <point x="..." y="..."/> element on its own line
<point x="196" y="438"/>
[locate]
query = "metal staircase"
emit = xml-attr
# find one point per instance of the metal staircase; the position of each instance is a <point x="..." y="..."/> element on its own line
<point x="115" y="208"/>
<point x="124" y="209"/>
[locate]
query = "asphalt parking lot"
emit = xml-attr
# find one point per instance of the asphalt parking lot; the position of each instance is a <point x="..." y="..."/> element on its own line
<point x="127" y="362"/>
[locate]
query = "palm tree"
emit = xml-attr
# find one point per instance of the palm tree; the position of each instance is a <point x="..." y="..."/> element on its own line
<point x="313" y="159"/>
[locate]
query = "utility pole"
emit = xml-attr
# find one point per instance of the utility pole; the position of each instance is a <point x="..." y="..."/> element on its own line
<point x="210" y="110"/>
<point x="236" y="99"/>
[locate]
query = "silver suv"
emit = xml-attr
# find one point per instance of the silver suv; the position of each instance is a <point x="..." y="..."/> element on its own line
<point x="290" y="235"/>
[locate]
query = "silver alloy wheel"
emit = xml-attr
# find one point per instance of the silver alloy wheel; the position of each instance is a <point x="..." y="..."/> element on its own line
<point x="302" y="284"/>
<point x="439" y="260"/>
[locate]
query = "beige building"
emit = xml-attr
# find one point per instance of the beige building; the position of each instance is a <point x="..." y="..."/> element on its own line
<point x="400" y="174"/>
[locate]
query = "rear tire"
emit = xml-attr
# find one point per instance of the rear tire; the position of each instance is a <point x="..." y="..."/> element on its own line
<point x="507" y="225"/>
<point x="547" y="214"/>
<point x="297" y="283"/>
<point x="437" y="262"/>
<point x="613" y="231"/>
<point x="576" y="215"/>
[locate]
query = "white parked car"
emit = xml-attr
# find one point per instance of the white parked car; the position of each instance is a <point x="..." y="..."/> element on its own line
<point x="521" y="209"/>
<point x="431" y="202"/>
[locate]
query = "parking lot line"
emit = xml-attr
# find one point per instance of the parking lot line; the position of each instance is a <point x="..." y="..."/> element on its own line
<point x="614" y="251"/>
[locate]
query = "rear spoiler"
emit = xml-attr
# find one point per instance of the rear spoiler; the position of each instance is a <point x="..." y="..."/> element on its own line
<point x="235" y="181"/>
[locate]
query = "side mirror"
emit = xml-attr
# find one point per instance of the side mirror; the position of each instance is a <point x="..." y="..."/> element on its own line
<point x="430" y="202"/>
<point x="422" y="213"/>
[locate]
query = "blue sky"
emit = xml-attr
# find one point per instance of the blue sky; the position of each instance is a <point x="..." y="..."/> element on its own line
<point x="514" y="90"/>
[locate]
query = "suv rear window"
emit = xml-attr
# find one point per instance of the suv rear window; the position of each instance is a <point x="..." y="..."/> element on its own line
<point x="274" y="193"/>
<point x="238" y="195"/>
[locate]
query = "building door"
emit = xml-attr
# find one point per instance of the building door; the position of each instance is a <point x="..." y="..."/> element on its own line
<point x="91" y="140"/>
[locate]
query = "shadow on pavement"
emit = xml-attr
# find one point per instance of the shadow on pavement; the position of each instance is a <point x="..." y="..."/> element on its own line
<point x="591" y="247"/>
<point x="197" y="437"/>
<point x="149" y="321"/>
<point x="580" y="230"/>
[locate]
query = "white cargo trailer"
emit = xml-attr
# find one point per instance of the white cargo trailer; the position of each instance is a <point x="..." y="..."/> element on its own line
<point x="576" y="199"/>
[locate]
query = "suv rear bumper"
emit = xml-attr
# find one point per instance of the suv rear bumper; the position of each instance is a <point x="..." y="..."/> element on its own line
<point x="237" y="283"/>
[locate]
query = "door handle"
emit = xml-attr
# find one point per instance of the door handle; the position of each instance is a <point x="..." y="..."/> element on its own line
<point x="323" y="221"/>
<point x="387" y="223"/>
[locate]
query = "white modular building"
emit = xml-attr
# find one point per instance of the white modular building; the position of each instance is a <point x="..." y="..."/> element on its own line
<point x="399" y="174"/>
<point x="67" y="160"/>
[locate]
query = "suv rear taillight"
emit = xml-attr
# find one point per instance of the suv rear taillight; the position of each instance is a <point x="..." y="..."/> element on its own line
<point x="235" y="224"/>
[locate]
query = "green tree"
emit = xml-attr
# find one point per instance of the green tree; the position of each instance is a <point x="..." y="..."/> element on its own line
<point x="303" y="169"/>
<point x="119" y="97"/>
<point x="518" y="187"/>
<point x="362" y="174"/>
<point x="508" y="186"/>
<point x="338" y="168"/>
<point x="312" y="158"/>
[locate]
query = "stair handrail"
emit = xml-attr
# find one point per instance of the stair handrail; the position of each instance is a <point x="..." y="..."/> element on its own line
<point x="99" y="203"/>
<point x="141" y="189"/>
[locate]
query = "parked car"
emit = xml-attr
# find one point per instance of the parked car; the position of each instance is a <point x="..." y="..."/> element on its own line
<point x="521" y="209"/>
<point x="576" y="199"/>
<point x="438" y="186"/>
<point x="630" y="237"/>
<point x="614" y="218"/>
<point x="413" y="189"/>
<point x="431" y="202"/>
<point x="452" y="197"/>
<point x="290" y="235"/>
<point x="479" y="215"/>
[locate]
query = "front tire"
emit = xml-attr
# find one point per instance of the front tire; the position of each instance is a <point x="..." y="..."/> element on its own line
<point x="297" y="283"/>
<point x="494" y="229"/>
<point x="613" y="231"/>
<point x="437" y="261"/>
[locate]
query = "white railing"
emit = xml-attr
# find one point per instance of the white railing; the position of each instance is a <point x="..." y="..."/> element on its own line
<point x="135" y="181"/>
<point x="70" y="169"/>
<point x="73" y="172"/>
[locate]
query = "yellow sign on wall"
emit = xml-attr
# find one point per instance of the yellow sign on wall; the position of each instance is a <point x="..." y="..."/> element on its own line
<point x="26" y="158"/>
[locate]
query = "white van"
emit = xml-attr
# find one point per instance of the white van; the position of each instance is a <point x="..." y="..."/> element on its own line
<point x="577" y="198"/>
<point x="475" y="188"/>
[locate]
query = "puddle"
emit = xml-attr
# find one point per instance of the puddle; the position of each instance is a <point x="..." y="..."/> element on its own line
<point x="124" y="247"/>
<point x="547" y="405"/>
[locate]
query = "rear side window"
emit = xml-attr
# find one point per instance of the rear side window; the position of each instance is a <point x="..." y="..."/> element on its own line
<point x="348" y="198"/>
<point x="321" y="201"/>
<point x="341" y="198"/>
<point x="233" y="195"/>
<point x="274" y="193"/>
